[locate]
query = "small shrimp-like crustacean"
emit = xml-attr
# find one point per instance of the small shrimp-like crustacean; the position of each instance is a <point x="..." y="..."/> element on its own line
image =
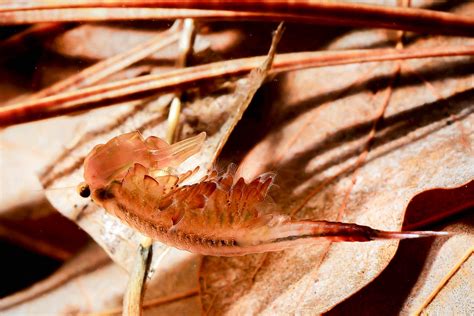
<point x="220" y="215"/>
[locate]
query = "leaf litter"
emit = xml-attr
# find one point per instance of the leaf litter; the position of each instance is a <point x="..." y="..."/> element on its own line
<point x="296" y="172"/>
<point x="422" y="142"/>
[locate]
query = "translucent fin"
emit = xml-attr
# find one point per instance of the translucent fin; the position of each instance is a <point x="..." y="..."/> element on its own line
<point x="408" y="234"/>
<point x="174" y="155"/>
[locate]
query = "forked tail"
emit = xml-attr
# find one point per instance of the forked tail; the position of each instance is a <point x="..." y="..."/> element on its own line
<point x="287" y="234"/>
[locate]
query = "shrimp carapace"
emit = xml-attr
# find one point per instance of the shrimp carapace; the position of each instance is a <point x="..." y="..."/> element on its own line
<point x="220" y="215"/>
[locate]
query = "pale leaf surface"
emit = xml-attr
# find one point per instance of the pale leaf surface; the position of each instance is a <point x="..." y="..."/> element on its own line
<point x="417" y="273"/>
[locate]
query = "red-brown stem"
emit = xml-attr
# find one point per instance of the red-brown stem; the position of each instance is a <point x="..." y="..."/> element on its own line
<point x="118" y="14"/>
<point x="144" y="86"/>
<point x="408" y="19"/>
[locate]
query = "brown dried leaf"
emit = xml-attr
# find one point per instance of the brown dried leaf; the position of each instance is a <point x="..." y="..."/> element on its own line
<point x="320" y="129"/>
<point x="434" y="205"/>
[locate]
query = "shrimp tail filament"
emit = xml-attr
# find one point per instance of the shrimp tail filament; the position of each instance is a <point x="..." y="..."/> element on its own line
<point x="337" y="231"/>
<point x="289" y="234"/>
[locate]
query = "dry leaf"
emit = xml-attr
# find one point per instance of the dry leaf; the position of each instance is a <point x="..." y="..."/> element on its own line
<point x="433" y="205"/>
<point x="319" y="131"/>
<point x="319" y="125"/>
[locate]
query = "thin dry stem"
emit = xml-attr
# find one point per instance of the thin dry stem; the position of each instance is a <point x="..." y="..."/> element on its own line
<point x="134" y="294"/>
<point x="444" y="281"/>
<point x="244" y="97"/>
<point x="186" y="48"/>
<point x="144" y="86"/>
<point x="322" y="12"/>
<point x="118" y="14"/>
<point x="173" y="119"/>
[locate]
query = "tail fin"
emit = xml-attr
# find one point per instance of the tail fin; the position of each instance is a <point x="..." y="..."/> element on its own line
<point x="280" y="233"/>
<point x="380" y="234"/>
<point x="298" y="231"/>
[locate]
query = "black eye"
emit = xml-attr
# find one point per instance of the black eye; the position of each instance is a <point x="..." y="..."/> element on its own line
<point x="84" y="190"/>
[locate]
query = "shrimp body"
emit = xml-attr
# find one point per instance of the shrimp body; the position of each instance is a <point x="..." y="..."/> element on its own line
<point x="220" y="215"/>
